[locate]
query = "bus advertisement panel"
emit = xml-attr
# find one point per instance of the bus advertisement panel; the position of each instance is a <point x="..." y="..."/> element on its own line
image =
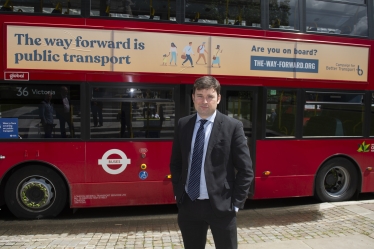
<point x="59" y="48"/>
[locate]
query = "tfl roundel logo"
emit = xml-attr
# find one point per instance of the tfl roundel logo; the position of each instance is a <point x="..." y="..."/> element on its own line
<point x="123" y="161"/>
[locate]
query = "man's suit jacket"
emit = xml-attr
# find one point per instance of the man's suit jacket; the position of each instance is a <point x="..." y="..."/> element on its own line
<point x="227" y="167"/>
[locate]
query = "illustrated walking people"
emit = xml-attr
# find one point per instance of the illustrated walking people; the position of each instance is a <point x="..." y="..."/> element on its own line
<point x="46" y="115"/>
<point x="211" y="170"/>
<point x="201" y="50"/>
<point x="216" y="57"/>
<point x="164" y="60"/>
<point x="173" y="53"/>
<point x="187" y="51"/>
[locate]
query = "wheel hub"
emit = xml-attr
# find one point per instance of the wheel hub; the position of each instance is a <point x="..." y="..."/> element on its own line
<point x="36" y="193"/>
<point x="331" y="179"/>
<point x="336" y="181"/>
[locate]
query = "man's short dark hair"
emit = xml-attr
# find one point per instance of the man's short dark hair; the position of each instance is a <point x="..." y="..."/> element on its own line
<point x="207" y="82"/>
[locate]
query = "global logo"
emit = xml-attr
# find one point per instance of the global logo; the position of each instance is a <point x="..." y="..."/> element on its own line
<point x="364" y="147"/>
<point x="123" y="161"/>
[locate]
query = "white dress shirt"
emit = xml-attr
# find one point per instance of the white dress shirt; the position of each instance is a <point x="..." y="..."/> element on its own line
<point x="207" y="129"/>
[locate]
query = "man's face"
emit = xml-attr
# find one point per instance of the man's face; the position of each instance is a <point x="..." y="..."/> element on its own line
<point x="205" y="102"/>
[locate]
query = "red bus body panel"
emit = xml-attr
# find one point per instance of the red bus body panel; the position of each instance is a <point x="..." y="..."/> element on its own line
<point x="294" y="163"/>
<point x="126" y="188"/>
<point x="89" y="183"/>
<point x="67" y="157"/>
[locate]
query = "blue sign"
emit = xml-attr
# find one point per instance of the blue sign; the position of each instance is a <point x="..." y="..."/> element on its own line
<point x="143" y="175"/>
<point x="266" y="63"/>
<point x="9" y="128"/>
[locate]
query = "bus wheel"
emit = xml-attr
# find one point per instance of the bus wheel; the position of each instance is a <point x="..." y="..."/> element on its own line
<point x="336" y="181"/>
<point x="35" y="192"/>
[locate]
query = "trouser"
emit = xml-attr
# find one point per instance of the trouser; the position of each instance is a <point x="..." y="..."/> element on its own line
<point x="201" y="56"/>
<point x="173" y="57"/>
<point x="194" y="219"/>
<point x="188" y="58"/>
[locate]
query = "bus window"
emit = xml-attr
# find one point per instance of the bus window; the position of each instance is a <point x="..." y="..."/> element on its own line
<point x="280" y="113"/>
<point x="40" y="111"/>
<point x="284" y="14"/>
<point x="333" y="114"/>
<point x="132" y="113"/>
<point x="152" y="9"/>
<point x="239" y="13"/>
<point x="66" y="7"/>
<point x="336" y="17"/>
<point x="372" y="115"/>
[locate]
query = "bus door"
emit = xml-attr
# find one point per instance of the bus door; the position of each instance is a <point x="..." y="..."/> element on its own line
<point x="131" y="132"/>
<point x="239" y="103"/>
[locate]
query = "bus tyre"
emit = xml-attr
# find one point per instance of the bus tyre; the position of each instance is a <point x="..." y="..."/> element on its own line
<point x="35" y="192"/>
<point x="336" y="181"/>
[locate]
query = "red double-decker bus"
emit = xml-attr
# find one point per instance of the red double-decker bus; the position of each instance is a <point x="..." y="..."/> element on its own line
<point x="91" y="92"/>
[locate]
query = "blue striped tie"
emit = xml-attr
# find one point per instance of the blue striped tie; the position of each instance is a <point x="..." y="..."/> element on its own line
<point x="197" y="158"/>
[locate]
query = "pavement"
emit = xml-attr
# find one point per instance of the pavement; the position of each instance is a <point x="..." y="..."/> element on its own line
<point x="345" y="225"/>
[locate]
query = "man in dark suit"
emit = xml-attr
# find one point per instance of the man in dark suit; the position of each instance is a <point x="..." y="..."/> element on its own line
<point x="211" y="170"/>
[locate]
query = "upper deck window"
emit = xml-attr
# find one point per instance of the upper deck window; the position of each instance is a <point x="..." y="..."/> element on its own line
<point x="337" y="17"/>
<point x="284" y="14"/>
<point x="65" y="7"/>
<point x="234" y="12"/>
<point x="152" y="9"/>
